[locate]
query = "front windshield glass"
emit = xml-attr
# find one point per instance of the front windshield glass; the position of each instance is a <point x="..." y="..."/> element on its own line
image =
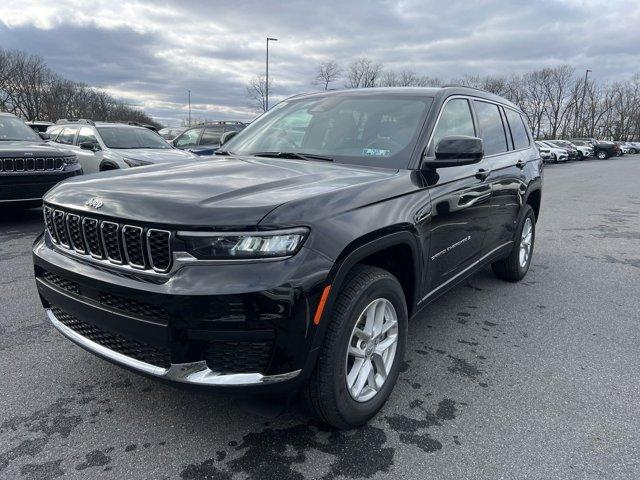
<point x="131" y="137"/>
<point x="12" y="128"/>
<point x="366" y="129"/>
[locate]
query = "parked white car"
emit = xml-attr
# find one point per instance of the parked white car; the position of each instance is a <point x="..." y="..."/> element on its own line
<point x="584" y="147"/>
<point x="584" y="151"/>
<point x="557" y="154"/>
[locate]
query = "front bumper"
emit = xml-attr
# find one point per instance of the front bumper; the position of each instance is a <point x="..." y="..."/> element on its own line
<point x="193" y="373"/>
<point x="243" y="325"/>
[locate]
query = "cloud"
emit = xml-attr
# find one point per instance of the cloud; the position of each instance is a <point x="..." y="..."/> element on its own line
<point x="150" y="53"/>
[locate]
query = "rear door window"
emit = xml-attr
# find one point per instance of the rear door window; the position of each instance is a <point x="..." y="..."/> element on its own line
<point x="491" y="128"/>
<point x="518" y="129"/>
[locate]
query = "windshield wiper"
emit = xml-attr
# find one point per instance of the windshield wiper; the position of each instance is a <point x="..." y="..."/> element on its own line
<point x="293" y="155"/>
<point x="222" y="152"/>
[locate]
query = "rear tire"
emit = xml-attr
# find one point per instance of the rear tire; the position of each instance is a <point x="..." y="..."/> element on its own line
<point x="516" y="265"/>
<point x="327" y="393"/>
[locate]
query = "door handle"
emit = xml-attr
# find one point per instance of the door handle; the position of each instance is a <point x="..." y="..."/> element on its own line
<point x="483" y="173"/>
<point x="521" y="164"/>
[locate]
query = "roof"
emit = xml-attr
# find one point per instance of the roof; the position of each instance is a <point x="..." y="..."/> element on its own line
<point x="436" y="92"/>
<point x="6" y="114"/>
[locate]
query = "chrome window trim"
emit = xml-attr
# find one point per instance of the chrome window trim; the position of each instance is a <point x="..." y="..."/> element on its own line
<point x="126" y="251"/>
<point x="104" y="242"/>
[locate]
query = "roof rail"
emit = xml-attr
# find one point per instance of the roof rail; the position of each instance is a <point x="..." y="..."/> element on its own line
<point x="218" y="122"/>
<point x="457" y="85"/>
<point x="145" y="125"/>
<point x="64" y="121"/>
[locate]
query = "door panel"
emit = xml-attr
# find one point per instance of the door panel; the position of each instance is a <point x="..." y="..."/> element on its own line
<point x="461" y="206"/>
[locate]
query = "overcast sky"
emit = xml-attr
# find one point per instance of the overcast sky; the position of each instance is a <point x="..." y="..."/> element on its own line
<point x="149" y="53"/>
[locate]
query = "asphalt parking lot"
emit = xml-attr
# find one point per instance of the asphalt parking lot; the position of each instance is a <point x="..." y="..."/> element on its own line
<point x="536" y="380"/>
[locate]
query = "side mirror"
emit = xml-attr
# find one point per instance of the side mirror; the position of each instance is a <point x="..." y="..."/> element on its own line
<point x="92" y="146"/>
<point x="226" y="136"/>
<point x="44" y="135"/>
<point x="456" y="150"/>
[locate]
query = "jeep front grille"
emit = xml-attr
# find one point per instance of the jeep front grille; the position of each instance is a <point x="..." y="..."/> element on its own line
<point x="31" y="164"/>
<point x="121" y="244"/>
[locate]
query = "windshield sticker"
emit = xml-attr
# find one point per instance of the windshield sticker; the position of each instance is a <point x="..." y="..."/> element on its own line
<point x="375" y="152"/>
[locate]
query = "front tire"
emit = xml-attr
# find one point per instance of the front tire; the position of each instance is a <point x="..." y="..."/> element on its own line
<point x="516" y="265"/>
<point x="602" y="155"/>
<point x="359" y="361"/>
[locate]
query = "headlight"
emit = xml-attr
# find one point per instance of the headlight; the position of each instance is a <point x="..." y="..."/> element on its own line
<point x="132" y="162"/>
<point x="243" y="246"/>
<point x="70" y="160"/>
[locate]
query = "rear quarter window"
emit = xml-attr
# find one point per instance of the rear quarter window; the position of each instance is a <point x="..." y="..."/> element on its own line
<point x="518" y="129"/>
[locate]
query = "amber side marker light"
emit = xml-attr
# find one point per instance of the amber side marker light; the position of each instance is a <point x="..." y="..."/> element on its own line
<point x="323" y="301"/>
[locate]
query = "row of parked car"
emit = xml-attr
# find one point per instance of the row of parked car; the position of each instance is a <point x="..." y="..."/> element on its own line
<point x="34" y="159"/>
<point x="555" y="151"/>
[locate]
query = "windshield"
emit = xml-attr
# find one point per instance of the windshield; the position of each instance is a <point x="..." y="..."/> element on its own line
<point x="365" y="129"/>
<point x="12" y="128"/>
<point x="131" y="137"/>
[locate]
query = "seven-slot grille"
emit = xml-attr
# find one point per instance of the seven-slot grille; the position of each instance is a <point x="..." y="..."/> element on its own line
<point x="38" y="164"/>
<point x="120" y="244"/>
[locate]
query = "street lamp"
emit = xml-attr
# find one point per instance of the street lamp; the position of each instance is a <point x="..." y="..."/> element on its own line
<point x="266" y="85"/>
<point x="584" y="93"/>
<point x="189" y="93"/>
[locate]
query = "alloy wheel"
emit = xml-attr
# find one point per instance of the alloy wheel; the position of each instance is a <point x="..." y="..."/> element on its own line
<point x="525" y="242"/>
<point x="372" y="350"/>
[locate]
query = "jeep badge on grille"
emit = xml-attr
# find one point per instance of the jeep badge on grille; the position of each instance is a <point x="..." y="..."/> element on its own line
<point x="94" y="203"/>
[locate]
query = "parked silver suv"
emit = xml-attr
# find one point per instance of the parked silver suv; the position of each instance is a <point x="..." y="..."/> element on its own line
<point x="104" y="146"/>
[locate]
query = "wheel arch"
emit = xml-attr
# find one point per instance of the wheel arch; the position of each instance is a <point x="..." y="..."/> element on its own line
<point x="533" y="198"/>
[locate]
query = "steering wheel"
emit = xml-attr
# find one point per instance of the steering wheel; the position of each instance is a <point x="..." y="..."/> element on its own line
<point x="281" y="140"/>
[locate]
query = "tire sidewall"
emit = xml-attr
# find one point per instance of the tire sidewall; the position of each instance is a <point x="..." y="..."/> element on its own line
<point x="359" y="412"/>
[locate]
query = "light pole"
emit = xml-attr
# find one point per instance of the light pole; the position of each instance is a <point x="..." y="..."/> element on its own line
<point x="584" y="93"/>
<point x="266" y="84"/>
<point x="189" y="93"/>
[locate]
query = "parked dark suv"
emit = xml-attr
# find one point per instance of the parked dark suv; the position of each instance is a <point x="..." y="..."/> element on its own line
<point x="28" y="165"/>
<point x="296" y="259"/>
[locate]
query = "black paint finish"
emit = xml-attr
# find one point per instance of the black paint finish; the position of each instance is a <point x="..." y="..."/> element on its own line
<point x="432" y="228"/>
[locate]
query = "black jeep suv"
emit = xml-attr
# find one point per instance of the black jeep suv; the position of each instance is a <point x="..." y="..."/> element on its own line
<point x="296" y="258"/>
<point x="28" y="165"/>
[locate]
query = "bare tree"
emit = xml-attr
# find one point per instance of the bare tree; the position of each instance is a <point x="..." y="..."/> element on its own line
<point x="363" y="73"/>
<point x="257" y="93"/>
<point x="327" y="73"/>
<point x="31" y="90"/>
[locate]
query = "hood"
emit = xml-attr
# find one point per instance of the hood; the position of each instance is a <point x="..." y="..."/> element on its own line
<point x="31" y="149"/>
<point x="156" y="155"/>
<point x="217" y="192"/>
